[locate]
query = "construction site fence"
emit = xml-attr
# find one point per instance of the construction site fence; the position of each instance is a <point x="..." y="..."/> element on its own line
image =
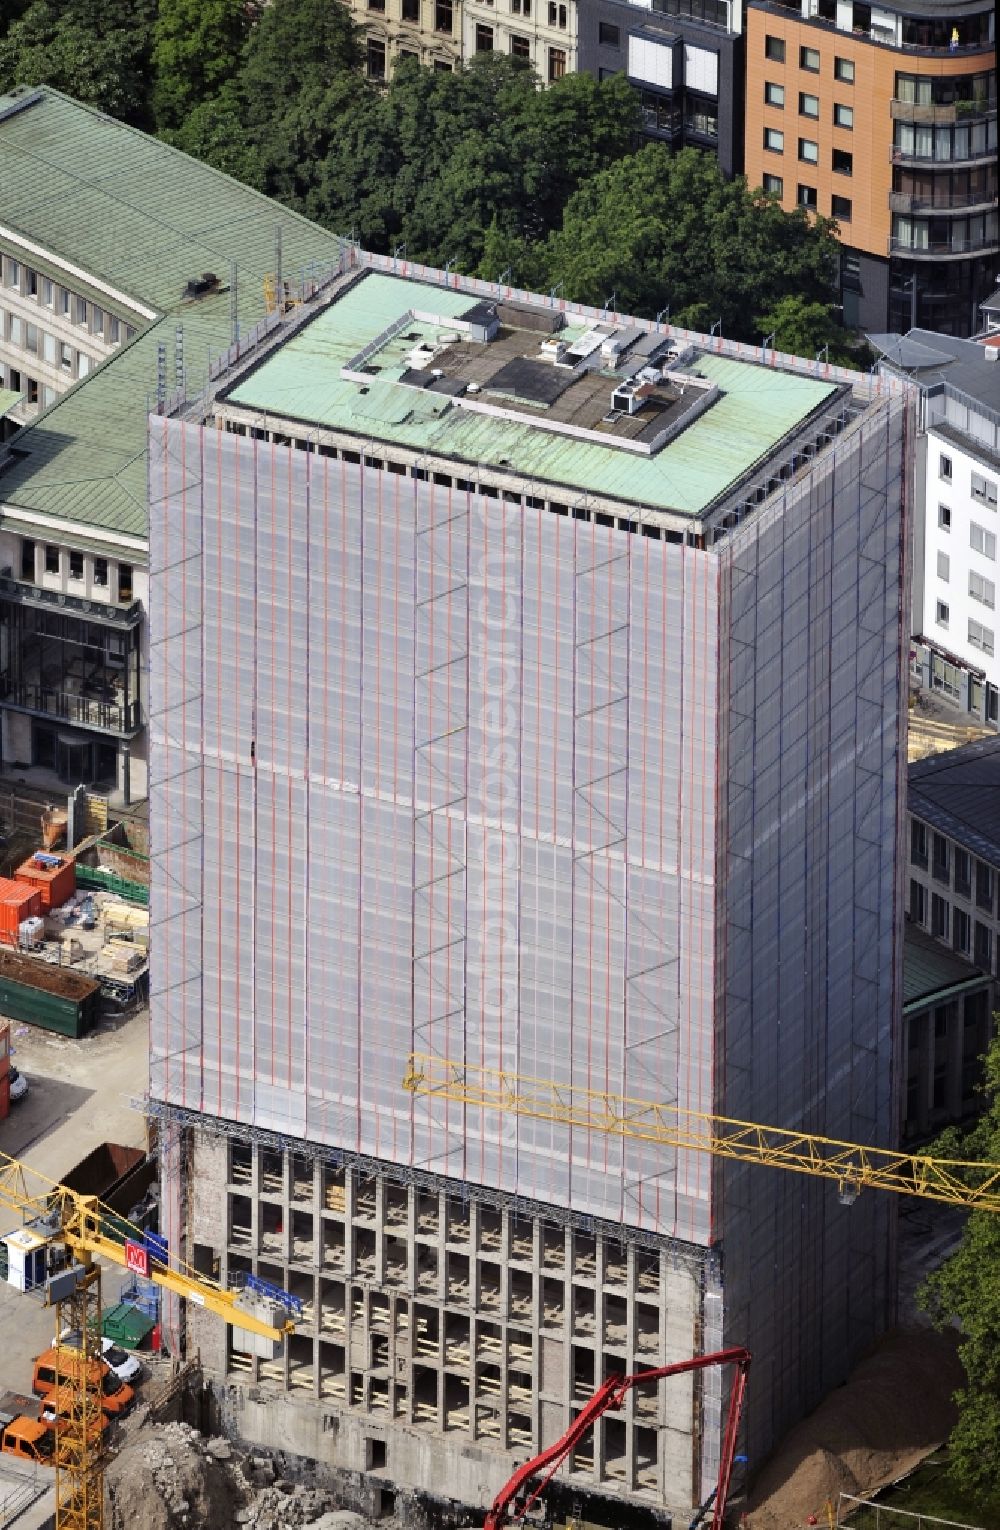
<point x="110" y="881"/>
<point x="860" y="1514"/>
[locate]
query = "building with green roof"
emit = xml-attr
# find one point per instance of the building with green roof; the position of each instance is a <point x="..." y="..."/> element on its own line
<point x="527" y="693"/>
<point x="124" y="266"/>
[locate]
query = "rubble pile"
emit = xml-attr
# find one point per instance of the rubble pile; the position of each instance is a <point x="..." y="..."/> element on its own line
<point x="170" y="1477"/>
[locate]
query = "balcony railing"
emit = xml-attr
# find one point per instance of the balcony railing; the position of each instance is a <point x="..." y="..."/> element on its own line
<point x="964" y="111"/>
<point x="950" y="202"/>
<point x="881" y="36"/>
<point x="914" y="157"/>
<point x="942" y="249"/>
<point x="71" y="707"/>
<point x="127" y="614"/>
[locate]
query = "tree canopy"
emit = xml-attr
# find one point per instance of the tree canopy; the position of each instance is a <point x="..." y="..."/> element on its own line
<point x="966" y="1290"/>
<point x="657" y="228"/>
<point x="97" y="51"/>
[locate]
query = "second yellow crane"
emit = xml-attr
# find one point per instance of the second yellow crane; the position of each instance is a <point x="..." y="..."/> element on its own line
<point x="851" y="1165"/>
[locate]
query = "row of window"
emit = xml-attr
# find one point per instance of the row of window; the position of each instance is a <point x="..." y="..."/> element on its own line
<point x="979" y="90"/>
<point x="979" y="636"/>
<point x="980" y="588"/>
<point x="945" y="142"/>
<point x="842" y="162"/>
<point x="981" y="540"/>
<point x="21" y="335"/>
<point x="520" y="47"/>
<point x="61" y="300"/>
<point x="970" y="937"/>
<point x="934" y="851"/>
<point x="809" y="60"/>
<point x="41" y="559"/>
<point x="982" y="489"/>
<point x="774" y="95"/>
<point x="36" y="394"/>
<point x="841" y="208"/>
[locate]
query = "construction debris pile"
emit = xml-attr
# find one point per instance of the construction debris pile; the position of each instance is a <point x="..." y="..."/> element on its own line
<point x="170" y="1477"/>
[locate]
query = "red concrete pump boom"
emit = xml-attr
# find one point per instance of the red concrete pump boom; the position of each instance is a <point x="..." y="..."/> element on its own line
<point x="507" y="1504"/>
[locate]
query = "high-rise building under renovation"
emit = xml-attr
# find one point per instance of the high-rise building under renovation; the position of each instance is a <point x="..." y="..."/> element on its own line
<point x="525" y="694"/>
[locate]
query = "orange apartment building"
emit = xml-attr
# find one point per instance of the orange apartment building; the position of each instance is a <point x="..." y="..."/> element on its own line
<point x="884" y="118"/>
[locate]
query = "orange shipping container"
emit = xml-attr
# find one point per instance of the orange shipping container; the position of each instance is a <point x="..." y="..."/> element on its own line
<point x="56" y="883"/>
<point x="18" y="901"/>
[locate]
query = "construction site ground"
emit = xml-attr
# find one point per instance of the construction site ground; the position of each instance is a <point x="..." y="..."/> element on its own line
<point x="79" y="1096"/>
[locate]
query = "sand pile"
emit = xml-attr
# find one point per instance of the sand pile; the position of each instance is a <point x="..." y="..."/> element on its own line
<point x="894" y="1409"/>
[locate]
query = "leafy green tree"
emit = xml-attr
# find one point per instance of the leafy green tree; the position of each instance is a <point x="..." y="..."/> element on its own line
<point x="197" y="49"/>
<point x="97" y="53"/>
<point x="297" y="81"/>
<point x="216" y="133"/>
<point x="966" y="1291"/>
<point x="439" y="158"/>
<point x="658" y="229"/>
<point x="804" y="329"/>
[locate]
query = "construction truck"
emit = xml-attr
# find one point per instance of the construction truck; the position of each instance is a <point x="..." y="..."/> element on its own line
<point x="22" y="1431"/>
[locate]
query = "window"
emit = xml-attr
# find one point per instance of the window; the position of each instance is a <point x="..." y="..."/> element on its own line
<point x="774" y="140"/>
<point x="983" y="541"/>
<point x="520" y="47"/>
<point x="808" y="151"/>
<point x="918" y="843"/>
<point x="963" y="873"/>
<point x="944" y="468"/>
<point x="774" y="95"/>
<point x="982" y="589"/>
<point x="411" y="10"/>
<point x="30" y="282"/>
<point x="981" y="637"/>
<point x="76" y="565"/>
<point x="484" y="38"/>
<point x="939" y="858"/>
<point x="943" y="566"/>
<point x="557" y="63"/>
<point x="52" y="564"/>
<point x="774" y="185"/>
<point x="960" y="929"/>
<point x="941" y="613"/>
<point x="843" y="117"/>
<point x="48" y="293"/>
<point x="13" y="274"/>
<point x="982" y="951"/>
<point x="443" y="66"/>
<point x="774" y="49"/>
<point x="843" y="162"/>
<point x="984" y="887"/>
<point x="520" y="7"/>
<point x="101" y="572"/>
<point x="843" y="70"/>
<point x="31" y="338"/>
<point x="124" y="581"/>
<point x="27" y="558"/>
<point x="939" y="916"/>
<point x="64" y="301"/>
<point x="557" y="15"/>
<point x="984" y="490"/>
<point x="808" y="105"/>
<point x="807" y="197"/>
<point x="841" y="209"/>
<point x="376" y="58"/>
<point x="918" y="902"/>
<point x="443" y="16"/>
<point x="944" y="517"/>
<point x="809" y="59"/>
<point x="79" y="310"/>
<point x="97" y="314"/>
<point x="609" y="36"/>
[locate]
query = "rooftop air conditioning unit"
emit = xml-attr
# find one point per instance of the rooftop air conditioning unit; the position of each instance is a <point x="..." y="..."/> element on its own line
<point x="626" y="397"/>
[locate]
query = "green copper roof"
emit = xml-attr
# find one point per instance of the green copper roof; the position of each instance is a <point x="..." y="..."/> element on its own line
<point x="8" y="398"/>
<point x="128" y="211"/>
<point x="302" y="381"/>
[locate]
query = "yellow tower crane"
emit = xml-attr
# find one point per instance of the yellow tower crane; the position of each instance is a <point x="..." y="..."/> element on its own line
<point x="852" y="1166"/>
<point x="54" y="1253"/>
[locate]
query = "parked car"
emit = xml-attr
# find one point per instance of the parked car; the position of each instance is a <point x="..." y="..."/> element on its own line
<point x="123" y="1365"/>
<point x="18" y="1085"/>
